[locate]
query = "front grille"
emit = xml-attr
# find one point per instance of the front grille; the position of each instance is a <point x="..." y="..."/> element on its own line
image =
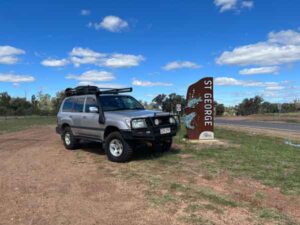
<point x="164" y="120"/>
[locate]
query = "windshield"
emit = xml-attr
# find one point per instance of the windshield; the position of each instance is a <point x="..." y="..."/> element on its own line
<point x="119" y="102"/>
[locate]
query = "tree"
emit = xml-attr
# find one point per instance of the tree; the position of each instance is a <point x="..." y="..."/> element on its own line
<point x="4" y="104"/>
<point x="288" y="107"/>
<point x="220" y="109"/>
<point x="44" y="103"/>
<point x="249" y="106"/>
<point x="267" y="107"/>
<point x="168" y="103"/>
<point x="5" y="99"/>
<point x="56" y="101"/>
<point x="34" y="103"/>
<point x="20" y="106"/>
<point x="158" y="100"/>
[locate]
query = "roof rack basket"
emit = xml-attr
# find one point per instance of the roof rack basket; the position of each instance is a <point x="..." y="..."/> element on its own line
<point x="85" y="90"/>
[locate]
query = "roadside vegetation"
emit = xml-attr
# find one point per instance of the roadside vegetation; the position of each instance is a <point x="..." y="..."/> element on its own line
<point x="12" y="124"/>
<point x="258" y="105"/>
<point x="293" y="117"/>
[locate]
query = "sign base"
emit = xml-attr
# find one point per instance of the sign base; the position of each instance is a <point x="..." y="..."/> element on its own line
<point x="206" y="135"/>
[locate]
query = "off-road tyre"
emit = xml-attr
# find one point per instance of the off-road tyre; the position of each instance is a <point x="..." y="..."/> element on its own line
<point x="166" y="145"/>
<point x="70" y="142"/>
<point x="116" y="139"/>
<point x="162" y="145"/>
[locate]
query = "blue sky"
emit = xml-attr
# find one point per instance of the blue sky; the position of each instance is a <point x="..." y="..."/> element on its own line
<point x="250" y="47"/>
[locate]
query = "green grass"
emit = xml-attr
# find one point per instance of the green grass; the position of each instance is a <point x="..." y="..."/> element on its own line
<point x="266" y="159"/>
<point x="274" y="215"/>
<point x="169" y="180"/>
<point x="17" y="124"/>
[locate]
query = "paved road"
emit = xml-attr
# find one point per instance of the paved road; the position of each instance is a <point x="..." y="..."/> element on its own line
<point x="260" y="124"/>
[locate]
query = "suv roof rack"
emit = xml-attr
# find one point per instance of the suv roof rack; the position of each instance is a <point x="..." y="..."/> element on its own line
<point x="85" y="90"/>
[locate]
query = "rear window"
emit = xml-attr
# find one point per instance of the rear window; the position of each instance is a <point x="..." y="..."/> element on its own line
<point x="68" y="105"/>
<point x="78" y="104"/>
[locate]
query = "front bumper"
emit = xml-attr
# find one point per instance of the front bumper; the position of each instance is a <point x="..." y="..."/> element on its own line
<point x="149" y="134"/>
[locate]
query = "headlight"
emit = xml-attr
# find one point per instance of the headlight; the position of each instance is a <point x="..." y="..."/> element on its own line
<point x="172" y="120"/>
<point x="156" y="122"/>
<point x="138" y="123"/>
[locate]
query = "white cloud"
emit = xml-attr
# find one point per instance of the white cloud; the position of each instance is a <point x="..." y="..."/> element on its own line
<point x="181" y="64"/>
<point x="280" y="48"/>
<point x="274" y="88"/>
<point x="112" y="24"/>
<point x="260" y="70"/>
<point x="8" y="54"/>
<point x="225" y="5"/>
<point x="122" y="60"/>
<point x="85" y="12"/>
<point x="101" y="85"/>
<point x="247" y="4"/>
<point x="93" y="75"/>
<point x="288" y="37"/>
<point x="136" y="82"/>
<point x="10" y="77"/>
<point x="229" y="81"/>
<point x="55" y="62"/>
<point x="79" y="56"/>
<point x="228" y="5"/>
<point x="267" y="86"/>
<point x="85" y="52"/>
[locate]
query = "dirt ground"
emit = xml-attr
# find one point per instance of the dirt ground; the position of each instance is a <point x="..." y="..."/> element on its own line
<point x="42" y="183"/>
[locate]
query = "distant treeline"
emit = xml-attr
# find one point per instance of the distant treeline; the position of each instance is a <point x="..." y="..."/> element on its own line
<point x="44" y="104"/>
<point x="257" y="105"/>
<point x="40" y="104"/>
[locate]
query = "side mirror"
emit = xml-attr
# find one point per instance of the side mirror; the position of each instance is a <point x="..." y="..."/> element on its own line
<point x="93" y="109"/>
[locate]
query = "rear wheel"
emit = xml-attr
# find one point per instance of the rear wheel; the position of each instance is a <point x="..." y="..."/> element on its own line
<point x="70" y="142"/>
<point x="116" y="148"/>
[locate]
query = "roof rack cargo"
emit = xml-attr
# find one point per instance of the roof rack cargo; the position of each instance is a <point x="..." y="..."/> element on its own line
<point x="84" y="90"/>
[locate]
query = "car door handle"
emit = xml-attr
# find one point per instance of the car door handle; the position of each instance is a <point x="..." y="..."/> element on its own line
<point x="84" y="117"/>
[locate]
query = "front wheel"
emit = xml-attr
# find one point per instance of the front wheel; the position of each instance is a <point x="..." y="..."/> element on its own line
<point x="116" y="148"/>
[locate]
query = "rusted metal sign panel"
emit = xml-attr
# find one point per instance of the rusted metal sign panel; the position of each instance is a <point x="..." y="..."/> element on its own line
<point x="199" y="112"/>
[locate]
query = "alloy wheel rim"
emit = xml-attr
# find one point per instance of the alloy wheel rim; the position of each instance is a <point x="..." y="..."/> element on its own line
<point x="67" y="138"/>
<point x="116" y="147"/>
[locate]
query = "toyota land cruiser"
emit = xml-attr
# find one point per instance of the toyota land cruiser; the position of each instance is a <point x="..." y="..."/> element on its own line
<point x="117" y="121"/>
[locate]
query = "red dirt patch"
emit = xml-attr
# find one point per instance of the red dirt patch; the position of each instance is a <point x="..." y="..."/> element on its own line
<point x="42" y="183"/>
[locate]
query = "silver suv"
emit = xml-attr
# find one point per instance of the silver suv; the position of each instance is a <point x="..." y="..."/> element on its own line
<point x="118" y="121"/>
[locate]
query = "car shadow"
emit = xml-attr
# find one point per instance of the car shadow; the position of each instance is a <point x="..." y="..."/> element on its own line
<point x="142" y="152"/>
<point x="91" y="147"/>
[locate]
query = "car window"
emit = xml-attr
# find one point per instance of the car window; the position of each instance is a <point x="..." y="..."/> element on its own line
<point x="119" y="102"/>
<point x="78" y="104"/>
<point x="68" y="105"/>
<point x="90" y="102"/>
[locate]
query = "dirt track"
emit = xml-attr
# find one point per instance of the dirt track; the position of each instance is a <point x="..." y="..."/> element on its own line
<point x="42" y="183"/>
